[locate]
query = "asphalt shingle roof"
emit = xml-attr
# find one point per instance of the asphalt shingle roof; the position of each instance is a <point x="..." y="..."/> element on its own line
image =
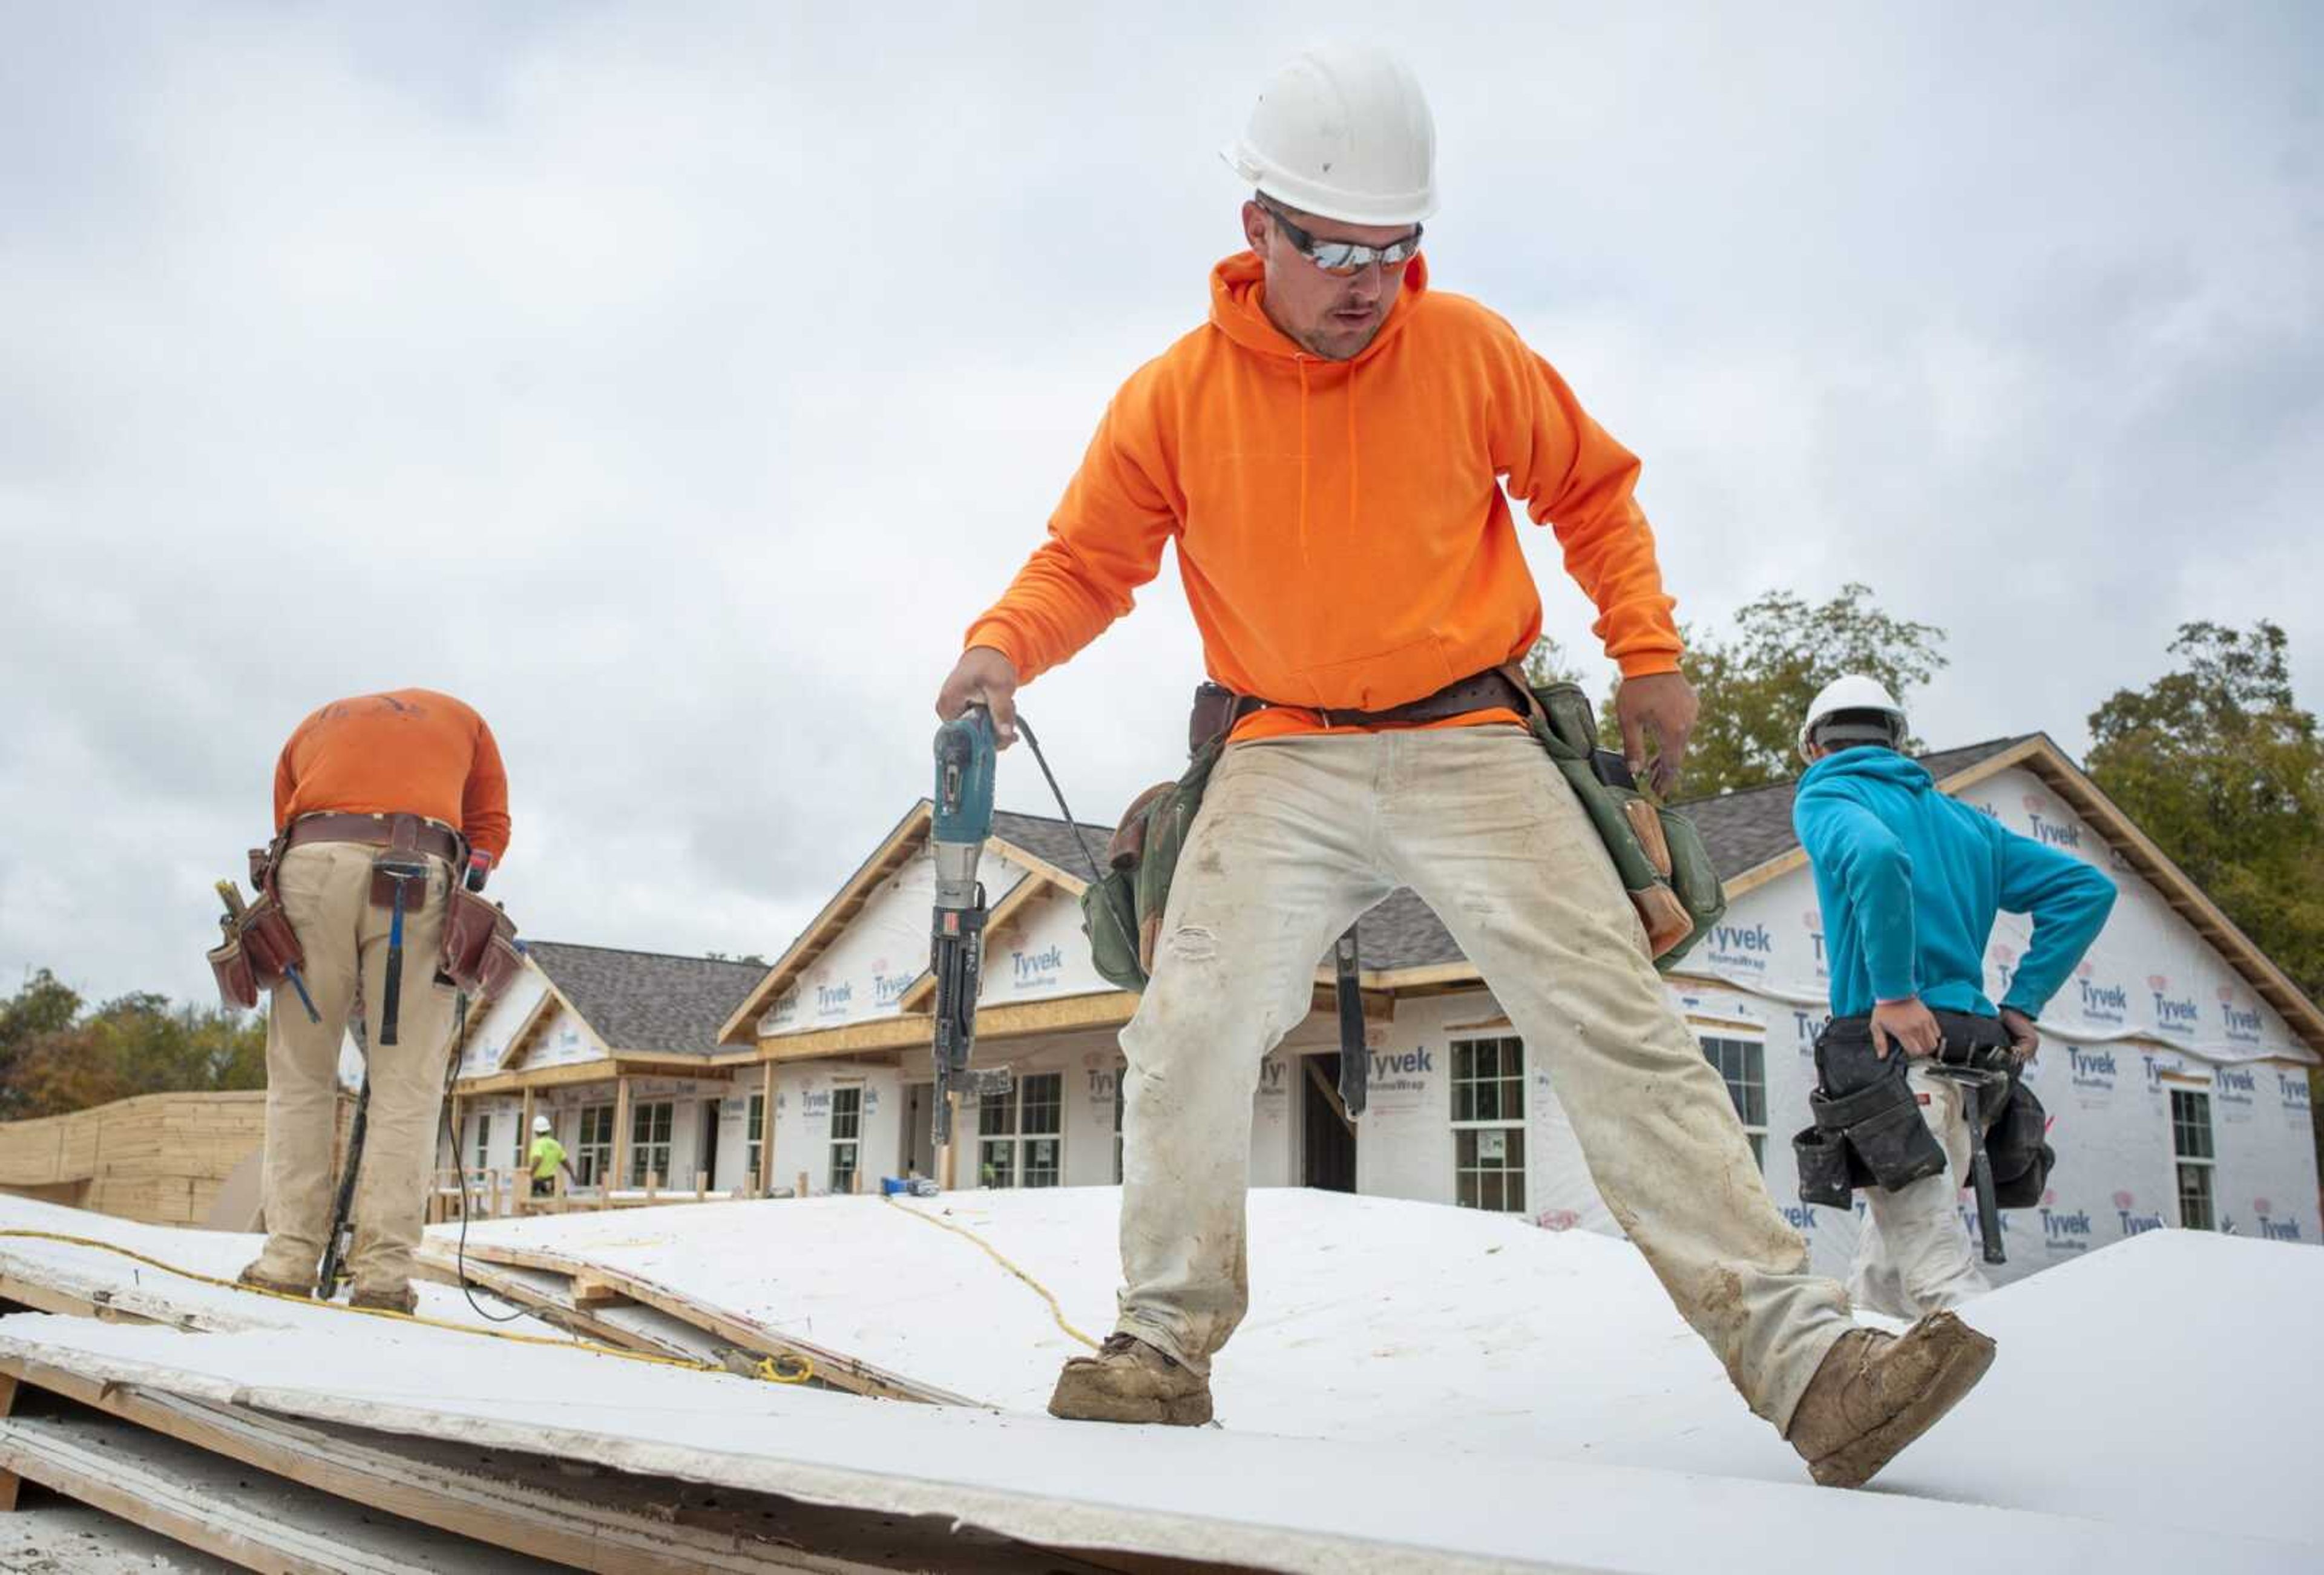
<point x="1742" y="830"/>
<point x="648" y="1002"/>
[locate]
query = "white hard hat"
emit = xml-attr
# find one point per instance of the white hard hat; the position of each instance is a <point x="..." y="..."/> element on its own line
<point x="1854" y="691"/>
<point x="1342" y="131"/>
<point x="541" y="1123"/>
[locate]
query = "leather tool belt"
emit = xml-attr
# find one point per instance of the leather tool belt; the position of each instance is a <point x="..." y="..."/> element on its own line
<point x="379" y="831"/>
<point x="1218" y="708"/>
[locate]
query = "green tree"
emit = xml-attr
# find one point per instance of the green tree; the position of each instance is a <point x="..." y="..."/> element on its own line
<point x="2217" y="763"/>
<point x="41" y="1007"/>
<point x="56" y="1057"/>
<point x="1546" y="663"/>
<point x="1757" y="680"/>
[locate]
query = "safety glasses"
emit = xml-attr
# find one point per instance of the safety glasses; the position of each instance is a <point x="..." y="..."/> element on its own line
<point x="1344" y="257"/>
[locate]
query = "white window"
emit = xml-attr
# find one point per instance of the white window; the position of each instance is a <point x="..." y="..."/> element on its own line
<point x="2190" y="1141"/>
<point x="1020" y="1141"/>
<point x="649" y="1126"/>
<point x="593" y="1156"/>
<point x="1488" y="1133"/>
<point x="846" y="1136"/>
<point x="483" y="1141"/>
<point x="755" y="1134"/>
<point x="1743" y="1062"/>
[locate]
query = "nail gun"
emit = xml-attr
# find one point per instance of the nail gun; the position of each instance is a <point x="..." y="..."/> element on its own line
<point x="963" y="820"/>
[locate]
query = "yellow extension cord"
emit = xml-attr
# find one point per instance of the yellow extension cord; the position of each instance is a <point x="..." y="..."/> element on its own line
<point x="1040" y="1289"/>
<point x="768" y="1369"/>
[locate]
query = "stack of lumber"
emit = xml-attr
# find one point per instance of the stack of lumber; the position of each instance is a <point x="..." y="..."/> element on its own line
<point x="160" y="1158"/>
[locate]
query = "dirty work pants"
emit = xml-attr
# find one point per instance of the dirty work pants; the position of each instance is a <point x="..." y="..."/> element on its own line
<point x="1299" y="836"/>
<point x="1915" y="1257"/>
<point x="325" y="890"/>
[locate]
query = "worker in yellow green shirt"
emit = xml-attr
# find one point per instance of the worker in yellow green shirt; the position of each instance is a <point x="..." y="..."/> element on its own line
<point x="545" y="1156"/>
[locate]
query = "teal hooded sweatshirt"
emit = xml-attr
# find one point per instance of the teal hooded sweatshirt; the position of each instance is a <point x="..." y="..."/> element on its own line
<point x="1911" y="881"/>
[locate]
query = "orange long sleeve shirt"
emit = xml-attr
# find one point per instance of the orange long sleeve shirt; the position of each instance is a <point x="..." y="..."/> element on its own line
<point x="1341" y="528"/>
<point x="410" y="751"/>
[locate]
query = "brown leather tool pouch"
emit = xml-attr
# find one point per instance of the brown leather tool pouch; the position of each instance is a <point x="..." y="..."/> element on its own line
<point x="237" y="982"/>
<point x="269" y="944"/>
<point x="479" y="944"/>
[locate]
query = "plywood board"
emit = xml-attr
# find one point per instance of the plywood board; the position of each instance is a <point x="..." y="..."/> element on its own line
<point x="1433" y="1329"/>
<point x="1197" y="1494"/>
<point x="545" y="1505"/>
<point x="213" y="1504"/>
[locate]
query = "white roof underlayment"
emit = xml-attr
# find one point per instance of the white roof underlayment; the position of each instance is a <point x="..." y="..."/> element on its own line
<point x="145" y="1292"/>
<point x="1425" y="1330"/>
<point x="1472" y="1393"/>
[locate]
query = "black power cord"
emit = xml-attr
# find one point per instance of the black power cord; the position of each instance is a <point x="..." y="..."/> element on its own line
<point x="452" y="1141"/>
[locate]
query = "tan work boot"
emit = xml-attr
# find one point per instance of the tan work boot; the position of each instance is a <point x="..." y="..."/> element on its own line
<point x="1129" y="1380"/>
<point x="265" y="1282"/>
<point x="1875" y="1393"/>
<point x="401" y="1299"/>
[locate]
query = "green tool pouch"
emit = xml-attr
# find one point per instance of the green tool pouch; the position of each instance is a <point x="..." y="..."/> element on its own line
<point x="1121" y="914"/>
<point x="1657" y="851"/>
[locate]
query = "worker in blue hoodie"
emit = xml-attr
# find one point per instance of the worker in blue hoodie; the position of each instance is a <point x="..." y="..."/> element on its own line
<point x="1910" y="882"/>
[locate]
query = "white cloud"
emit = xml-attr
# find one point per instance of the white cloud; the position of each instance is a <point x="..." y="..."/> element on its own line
<point x="675" y="385"/>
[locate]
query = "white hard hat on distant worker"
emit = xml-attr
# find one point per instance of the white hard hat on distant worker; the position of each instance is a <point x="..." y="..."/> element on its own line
<point x="1343" y="133"/>
<point x="1852" y="693"/>
<point x="541" y="1123"/>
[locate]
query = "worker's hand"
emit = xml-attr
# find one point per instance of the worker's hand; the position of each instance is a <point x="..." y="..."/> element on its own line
<point x="1907" y="1023"/>
<point x="982" y="677"/>
<point x="2025" y="1038"/>
<point x="1659" y="707"/>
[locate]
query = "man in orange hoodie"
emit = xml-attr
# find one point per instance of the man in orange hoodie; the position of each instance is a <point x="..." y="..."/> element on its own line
<point x="419" y="773"/>
<point x="1329" y="454"/>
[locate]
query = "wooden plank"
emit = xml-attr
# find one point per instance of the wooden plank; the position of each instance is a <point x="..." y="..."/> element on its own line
<point x="1105" y="1009"/>
<point x="767" y="1130"/>
<point x="835" y="1368"/>
<point x="10" y="1482"/>
<point x="607" y="1185"/>
<point x="196" y="1499"/>
<point x="592" y="1517"/>
<point x="590" y="1290"/>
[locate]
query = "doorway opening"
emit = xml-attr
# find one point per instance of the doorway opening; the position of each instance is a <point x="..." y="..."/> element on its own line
<point x="1327" y="1138"/>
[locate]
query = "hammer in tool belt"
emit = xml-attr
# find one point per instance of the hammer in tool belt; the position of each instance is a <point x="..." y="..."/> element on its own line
<point x="401" y="873"/>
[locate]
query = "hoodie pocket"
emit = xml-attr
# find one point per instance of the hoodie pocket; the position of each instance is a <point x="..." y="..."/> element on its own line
<point x="1391" y="677"/>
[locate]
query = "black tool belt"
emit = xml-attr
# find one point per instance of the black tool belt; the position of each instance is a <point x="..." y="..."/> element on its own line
<point x="1868" y="1129"/>
<point x="1218" y="708"/>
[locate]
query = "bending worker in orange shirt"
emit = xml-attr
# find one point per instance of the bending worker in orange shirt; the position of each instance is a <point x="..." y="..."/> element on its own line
<point x="415" y="775"/>
<point x="1329" y="454"/>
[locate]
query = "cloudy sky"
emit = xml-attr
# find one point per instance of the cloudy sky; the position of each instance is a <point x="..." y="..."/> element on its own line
<point x="674" y="382"/>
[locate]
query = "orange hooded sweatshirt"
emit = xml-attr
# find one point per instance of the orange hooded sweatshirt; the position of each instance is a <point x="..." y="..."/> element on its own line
<point x="410" y="751"/>
<point x="1340" y="525"/>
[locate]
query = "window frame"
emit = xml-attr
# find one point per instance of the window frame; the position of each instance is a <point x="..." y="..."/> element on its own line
<point x="594" y="1161"/>
<point x="846" y="1100"/>
<point x="484" y="1165"/>
<point x="754" y="1138"/>
<point x="2187" y="1165"/>
<point x="1506" y="1081"/>
<point x="1014" y="1145"/>
<point x="1753" y="1049"/>
<point x="641" y="1116"/>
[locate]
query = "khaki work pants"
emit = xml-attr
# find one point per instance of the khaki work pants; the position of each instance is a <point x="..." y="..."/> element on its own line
<point x="326" y="890"/>
<point x="1915" y="1257"/>
<point x="1296" y="838"/>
